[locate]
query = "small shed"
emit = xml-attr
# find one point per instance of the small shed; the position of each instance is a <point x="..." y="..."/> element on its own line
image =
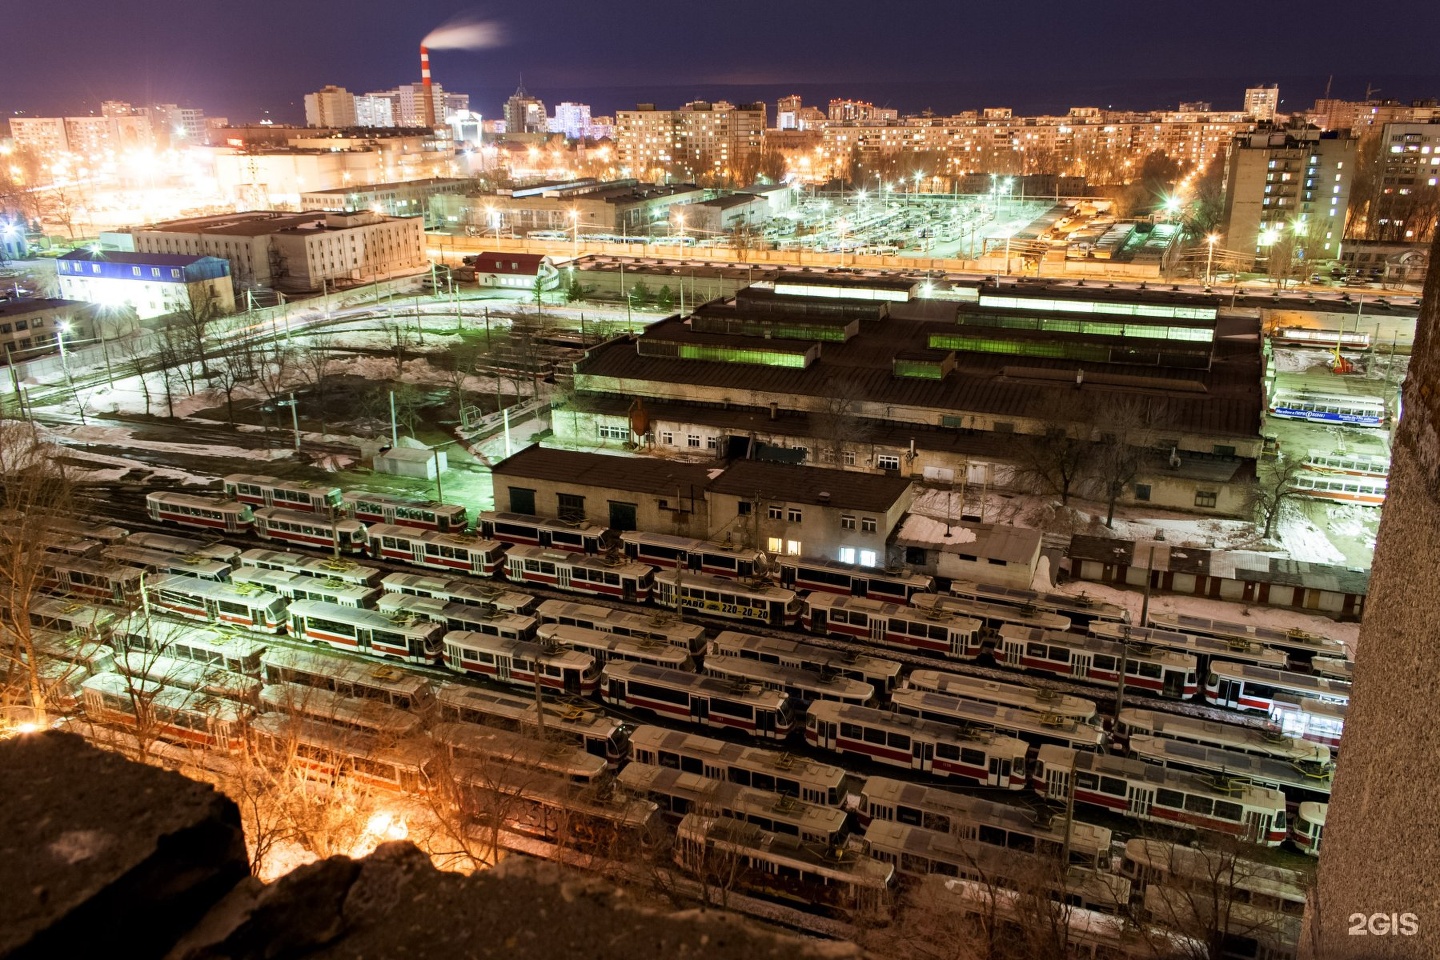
<point x="414" y="462"/>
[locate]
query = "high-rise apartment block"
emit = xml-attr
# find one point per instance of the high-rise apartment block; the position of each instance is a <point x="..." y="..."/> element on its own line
<point x="572" y="119"/>
<point x="858" y="111"/>
<point x="1293" y="181"/>
<point x="330" y="106"/>
<point x="525" y="114"/>
<point x="1262" y="103"/>
<point x="374" y="111"/>
<point x="701" y="139"/>
<point x="86" y="136"/>
<point x="1405" y="208"/>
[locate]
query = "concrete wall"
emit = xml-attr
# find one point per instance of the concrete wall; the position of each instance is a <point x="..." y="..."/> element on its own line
<point x="1382" y="835"/>
<point x="680" y="514"/>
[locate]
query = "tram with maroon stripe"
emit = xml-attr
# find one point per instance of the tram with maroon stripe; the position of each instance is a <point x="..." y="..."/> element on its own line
<point x="617" y="578"/>
<point x="203" y="513"/>
<point x="435" y="550"/>
<point x="708" y="701"/>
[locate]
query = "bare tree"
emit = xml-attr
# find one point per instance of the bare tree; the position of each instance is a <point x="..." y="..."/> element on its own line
<point x="1129" y="429"/>
<point x="835" y="419"/>
<point x="397" y="335"/>
<point x="1274" y="488"/>
<point x="196" y="314"/>
<point x="237" y="366"/>
<point x="1057" y="461"/>
<point x="314" y="366"/>
<point x="135" y="359"/>
<point x="34" y="491"/>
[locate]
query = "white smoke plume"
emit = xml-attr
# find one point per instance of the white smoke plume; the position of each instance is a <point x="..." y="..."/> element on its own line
<point x="465" y="32"/>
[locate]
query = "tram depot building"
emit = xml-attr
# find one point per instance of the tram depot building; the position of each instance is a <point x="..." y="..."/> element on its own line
<point x="883" y="377"/>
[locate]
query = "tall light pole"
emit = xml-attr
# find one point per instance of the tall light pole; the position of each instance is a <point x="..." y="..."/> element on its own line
<point x="1210" y="255"/>
<point x="575" y="234"/>
<point x="61" y="328"/>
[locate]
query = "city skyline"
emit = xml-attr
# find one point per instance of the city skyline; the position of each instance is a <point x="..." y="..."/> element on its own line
<point x="1121" y="57"/>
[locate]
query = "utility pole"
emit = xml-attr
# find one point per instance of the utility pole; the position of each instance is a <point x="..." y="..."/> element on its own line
<point x="1125" y="642"/>
<point x="295" y="418"/>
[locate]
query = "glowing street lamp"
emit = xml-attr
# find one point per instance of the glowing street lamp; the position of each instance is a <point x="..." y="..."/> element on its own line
<point x="575" y="236"/>
<point x="1210" y="254"/>
<point x="680" y="225"/>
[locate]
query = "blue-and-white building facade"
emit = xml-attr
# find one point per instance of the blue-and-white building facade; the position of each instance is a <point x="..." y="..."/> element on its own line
<point x="153" y="284"/>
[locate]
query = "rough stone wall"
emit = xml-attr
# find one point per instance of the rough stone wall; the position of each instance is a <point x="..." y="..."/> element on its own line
<point x="1381" y="849"/>
<point x="101" y="857"/>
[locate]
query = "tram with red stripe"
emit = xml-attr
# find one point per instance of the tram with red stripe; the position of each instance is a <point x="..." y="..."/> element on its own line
<point x="523" y="529"/>
<point x="421" y="514"/>
<point x="1243" y="686"/>
<point x="435" y="550"/>
<point x="600" y="576"/>
<point x="1162" y="672"/>
<point x="203" y="513"/>
<point x="366" y="631"/>
<point x="300" y="495"/>
<point x="237" y="605"/>
<point x="694" y="698"/>
<point x="523" y="663"/>
<point x="309" y="530"/>
<point x="894" y="625"/>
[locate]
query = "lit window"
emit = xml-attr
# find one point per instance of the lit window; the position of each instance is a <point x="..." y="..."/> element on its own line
<point x="847" y="554"/>
<point x="868" y="558"/>
<point x="774" y="544"/>
<point x="792" y="547"/>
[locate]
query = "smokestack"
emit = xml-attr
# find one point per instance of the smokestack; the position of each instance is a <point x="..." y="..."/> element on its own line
<point x="429" y="91"/>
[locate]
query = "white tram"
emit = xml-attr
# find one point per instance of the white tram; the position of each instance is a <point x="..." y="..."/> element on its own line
<point x="708" y="701"/>
<point x="696" y="556"/>
<point x="309" y="530"/>
<point x="297" y="586"/>
<point x="894" y="625"/>
<point x="1164" y="673"/>
<point x="578" y="721"/>
<point x="977" y="757"/>
<point x="1299" y="644"/>
<point x="458" y="616"/>
<point x="1144" y="791"/>
<point x="800" y="684"/>
<point x="159" y="561"/>
<point x="166" y="713"/>
<point x="730" y="599"/>
<point x="1081" y="608"/>
<point x="326" y="568"/>
<point x="601" y="576"/>
<point x="186" y="546"/>
<point x="89" y="621"/>
<point x="1366" y="491"/>
<point x="366" y="631"/>
<point x="1319" y="721"/>
<point x="329" y="754"/>
<point x="758" y="767"/>
<point x="214" y="647"/>
<point x="1260" y="743"/>
<point x="459" y="590"/>
<point x="1348" y="464"/>
<point x="492" y="745"/>
<point x="993" y="616"/>
<point x="452" y="552"/>
<point x="917" y="852"/>
<point x="816" y="574"/>
<point x="1178" y="887"/>
<point x="1339" y="411"/>
<point x="1011" y="721"/>
<point x="299" y="495"/>
<point x="189" y="675"/>
<point x="203" y="513"/>
<point x="1241" y="686"/>
<point x="76" y="652"/>
<point x="102" y="580"/>
<point x="1203" y="648"/>
<point x="661" y="626"/>
<point x="371" y="508"/>
<point x="980" y="690"/>
<point x="605" y="647"/>
<point x="843" y="879"/>
<point x="1309" y="827"/>
<point x="523" y="529"/>
<point x="374" y="717"/>
<point x="881" y="674"/>
<point x="233" y="604"/>
<point x="65" y="527"/>
<point x="522" y="663"/>
<point x="351" y="678"/>
<point x="678" y="793"/>
<point x="1334" y="668"/>
<point x="997" y="824"/>
<point x="1308" y="780"/>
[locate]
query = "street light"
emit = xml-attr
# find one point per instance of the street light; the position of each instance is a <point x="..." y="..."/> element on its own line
<point x="575" y="228"/>
<point x="1210" y="255"/>
<point x="680" y="224"/>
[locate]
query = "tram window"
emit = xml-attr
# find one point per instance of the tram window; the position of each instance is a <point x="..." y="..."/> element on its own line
<point x="939" y="633"/>
<point x="1151" y="670"/>
<point x="1037" y="650"/>
<point x="974" y="758"/>
<point x="1225" y="810"/>
<point x="874" y="735"/>
<point x="1173" y="799"/>
<point x="1194" y="803"/>
<point x="532" y="566"/>
<point x="1102" y="662"/>
<point x="1086" y="781"/>
<point x="947" y="751"/>
<point x="1060" y="654"/>
<point x="898" y="740"/>
<point x="1113" y="786"/>
<point x="729" y="708"/>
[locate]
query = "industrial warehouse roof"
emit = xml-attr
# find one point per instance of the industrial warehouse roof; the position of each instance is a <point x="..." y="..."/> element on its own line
<point x="138" y="259"/>
<point x="990" y="541"/>
<point x="250" y="223"/>
<point x="1231" y="564"/>
<point x="794" y="484"/>
<point x="611" y="471"/>
<point x="1227" y="402"/>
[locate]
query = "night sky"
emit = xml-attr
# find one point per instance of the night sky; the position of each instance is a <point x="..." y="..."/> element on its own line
<point x="243" y="57"/>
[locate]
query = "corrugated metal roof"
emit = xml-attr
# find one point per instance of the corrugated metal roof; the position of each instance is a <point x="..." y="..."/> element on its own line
<point x="796" y="484"/>
<point x="611" y="471"/>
